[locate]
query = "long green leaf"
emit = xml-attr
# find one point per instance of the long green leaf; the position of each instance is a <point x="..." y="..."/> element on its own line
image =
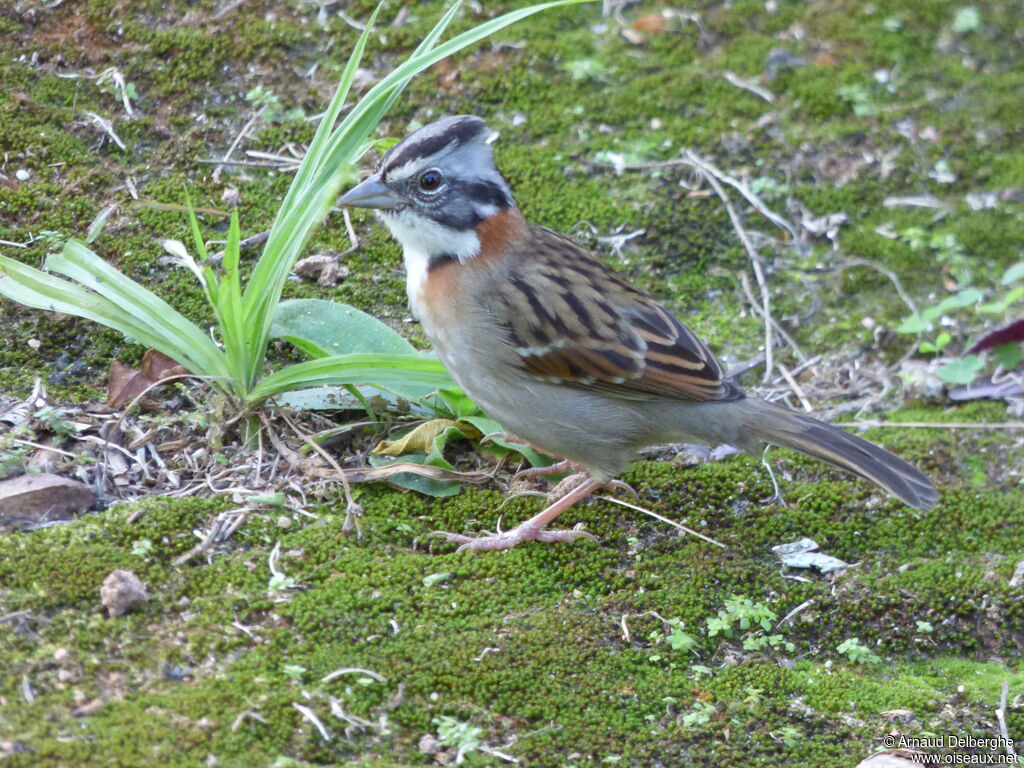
<point x="381" y="370"/>
<point x="39" y="290"/>
<point x="298" y="214"/>
<point x="79" y="263"/>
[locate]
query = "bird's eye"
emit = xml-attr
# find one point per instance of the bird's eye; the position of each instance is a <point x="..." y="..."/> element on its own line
<point x="430" y="180"/>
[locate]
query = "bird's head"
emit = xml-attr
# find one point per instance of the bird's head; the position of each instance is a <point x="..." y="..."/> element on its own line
<point x="436" y="186"/>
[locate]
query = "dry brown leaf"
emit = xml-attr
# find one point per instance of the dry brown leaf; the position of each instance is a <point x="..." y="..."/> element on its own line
<point x="378" y="474"/>
<point x="126" y="383"/>
<point x="422" y="438"/>
<point x="652" y="24"/>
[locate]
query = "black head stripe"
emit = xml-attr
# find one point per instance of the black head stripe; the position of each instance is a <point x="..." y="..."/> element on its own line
<point x="487" y="193"/>
<point x="459" y="130"/>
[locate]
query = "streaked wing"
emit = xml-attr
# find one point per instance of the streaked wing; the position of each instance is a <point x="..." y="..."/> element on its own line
<point x="589" y="328"/>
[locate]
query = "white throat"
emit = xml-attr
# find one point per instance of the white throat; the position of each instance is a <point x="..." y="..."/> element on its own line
<point x="423" y="239"/>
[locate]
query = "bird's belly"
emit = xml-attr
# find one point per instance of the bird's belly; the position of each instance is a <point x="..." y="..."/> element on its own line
<point x="597" y="432"/>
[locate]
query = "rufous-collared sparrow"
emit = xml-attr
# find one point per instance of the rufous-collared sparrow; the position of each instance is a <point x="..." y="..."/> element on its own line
<point x="558" y="348"/>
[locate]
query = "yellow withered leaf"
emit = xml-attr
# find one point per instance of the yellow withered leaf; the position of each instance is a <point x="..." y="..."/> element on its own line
<point x="422" y="438"/>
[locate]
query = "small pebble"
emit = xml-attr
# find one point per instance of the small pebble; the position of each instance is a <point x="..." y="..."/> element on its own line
<point x="122" y="591"/>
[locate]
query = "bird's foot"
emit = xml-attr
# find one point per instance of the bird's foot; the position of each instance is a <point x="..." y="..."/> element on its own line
<point x="558" y="466"/>
<point x="517" y="535"/>
<point x="619" y="485"/>
<point x="575" y="488"/>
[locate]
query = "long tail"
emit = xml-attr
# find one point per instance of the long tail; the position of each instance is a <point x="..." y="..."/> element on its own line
<point x="773" y="424"/>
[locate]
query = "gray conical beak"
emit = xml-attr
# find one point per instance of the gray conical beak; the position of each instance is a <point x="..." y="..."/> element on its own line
<point x="372" y="194"/>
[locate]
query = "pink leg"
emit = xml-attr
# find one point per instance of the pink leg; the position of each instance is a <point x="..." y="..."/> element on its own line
<point x="532" y="528"/>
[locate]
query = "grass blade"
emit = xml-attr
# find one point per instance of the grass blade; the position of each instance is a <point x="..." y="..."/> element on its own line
<point x="379" y="370"/>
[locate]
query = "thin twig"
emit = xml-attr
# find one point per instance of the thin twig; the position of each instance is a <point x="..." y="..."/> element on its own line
<point x="234" y="144"/>
<point x="1001" y="717"/>
<point x="224" y="12"/>
<point x="763" y="93"/>
<point x="874" y="423"/>
<point x="656" y="516"/>
<point x="755" y="201"/>
<point x="308" y="713"/>
<point x="794" y="612"/>
<point x="353" y="670"/>
<point x="796" y="388"/>
<point x="40" y="446"/>
<point x="783" y="334"/>
<point x="108" y="127"/>
<point x="857" y="261"/>
<point x="755" y="261"/>
<point x="356" y="25"/>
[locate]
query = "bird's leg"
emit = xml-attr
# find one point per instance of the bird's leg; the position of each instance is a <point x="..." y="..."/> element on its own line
<point x="532" y="528"/>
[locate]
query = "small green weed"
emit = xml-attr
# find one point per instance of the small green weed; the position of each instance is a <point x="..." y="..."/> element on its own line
<point x="858" y="654"/>
<point x="465" y="738"/>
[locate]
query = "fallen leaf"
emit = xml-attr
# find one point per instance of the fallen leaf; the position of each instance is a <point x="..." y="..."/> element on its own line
<point x="652" y="24"/>
<point x="1011" y="332"/>
<point x="422" y="437"/>
<point x="126" y="383"/>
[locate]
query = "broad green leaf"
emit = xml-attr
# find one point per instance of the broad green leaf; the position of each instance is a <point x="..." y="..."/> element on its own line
<point x="458" y="403"/>
<point x="151" y="312"/>
<point x="1007" y="355"/>
<point x="937" y="346"/>
<point x="1000" y="306"/>
<point x="962" y="371"/>
<point x="40" y="290"/>
<point x="914" y="324"/>
<point x="491" y="427"/>
<point x="338" y="329"/>
<point x="959" y="300"/>
<point x="1014" y="273"/>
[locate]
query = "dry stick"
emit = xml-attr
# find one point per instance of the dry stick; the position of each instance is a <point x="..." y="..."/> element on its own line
<point x="1001" y="717"/>
<point x="873" y="423"/>
<point x="234" y="145"/>
<point x="743" y="189"/>
<point x="352" y="237"/>
<point x="796" y="388"/>
<point x="857" y="261"/>
<point x="214" y="533"/>
<point x="656" y="516"/>
<point x="227" y="9"/>
<point x="733" y="79"/>
<point x="755" y="261"/>
<point x="40" y="446"/>
<point x="794" y="612"/>
<point x="783" y="334"/>
<point x="694" y="160"/>
<point x="310" y="715"/>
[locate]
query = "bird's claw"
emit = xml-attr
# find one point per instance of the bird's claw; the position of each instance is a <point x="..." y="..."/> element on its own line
<point x="509" y="539"/>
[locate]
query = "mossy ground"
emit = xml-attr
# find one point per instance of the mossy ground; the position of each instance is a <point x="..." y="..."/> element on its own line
<point x="530" y="645"/>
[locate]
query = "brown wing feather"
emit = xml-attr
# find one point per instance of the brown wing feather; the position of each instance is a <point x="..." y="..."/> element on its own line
<point x="589" y="328"/>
